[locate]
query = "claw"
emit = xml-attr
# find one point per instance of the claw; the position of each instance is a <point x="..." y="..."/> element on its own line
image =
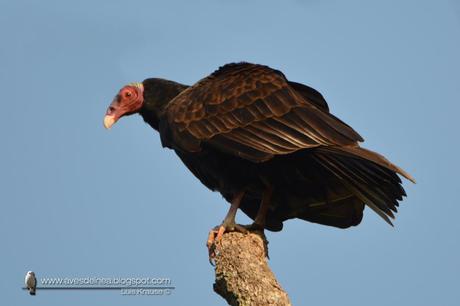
<point x="220" y="233"/>
<point x="215" y="236"/>
<point x="211" y="242"/>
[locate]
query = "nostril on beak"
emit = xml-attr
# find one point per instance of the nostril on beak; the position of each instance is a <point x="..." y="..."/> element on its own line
<point x="110" y="110"/>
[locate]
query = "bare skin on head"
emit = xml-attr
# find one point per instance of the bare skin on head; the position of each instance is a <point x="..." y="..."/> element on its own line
<point x="129" y="100"/>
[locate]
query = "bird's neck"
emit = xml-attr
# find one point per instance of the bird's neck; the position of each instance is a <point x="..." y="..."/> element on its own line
<point x="157" y="94"/>
<point x="152" y="117"/>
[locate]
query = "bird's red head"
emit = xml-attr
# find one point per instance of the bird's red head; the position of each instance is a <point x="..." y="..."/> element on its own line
<point x="129" y="100"/>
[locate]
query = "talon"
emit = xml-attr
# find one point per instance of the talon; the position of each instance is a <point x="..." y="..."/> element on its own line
<point x="215" y="236"/>
<point x="211" y="237"/>
<point x="220" y="233"/>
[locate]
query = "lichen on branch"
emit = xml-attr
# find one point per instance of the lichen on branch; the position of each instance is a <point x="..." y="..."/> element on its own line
<point x="243" y="276"/>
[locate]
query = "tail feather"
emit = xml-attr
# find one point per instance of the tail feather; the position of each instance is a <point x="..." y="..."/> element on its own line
<point x="388" y="190"/>
<point x="370" y="176"/>
<point x="330" y="186"/>
<point x="374" y="157"/>
<point x="348" y="179"/>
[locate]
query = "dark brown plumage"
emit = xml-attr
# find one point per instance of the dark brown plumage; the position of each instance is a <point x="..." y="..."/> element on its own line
<point x="249" y="133"/>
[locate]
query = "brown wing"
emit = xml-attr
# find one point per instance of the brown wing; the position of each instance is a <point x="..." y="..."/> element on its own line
<point x="310" y="94"/>
<point x="252" y="111"/>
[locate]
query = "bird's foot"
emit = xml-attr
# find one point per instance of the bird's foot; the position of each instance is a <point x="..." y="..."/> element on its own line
<point x="215" y="236"/>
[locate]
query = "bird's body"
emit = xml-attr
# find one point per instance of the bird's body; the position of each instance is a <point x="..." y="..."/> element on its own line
<point x="255" y="137"/>
<point x="31" y="282"/>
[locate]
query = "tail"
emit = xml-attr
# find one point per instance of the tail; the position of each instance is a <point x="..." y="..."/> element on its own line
<point x="32" y="291"/>
<point x="376" y="158"/>
<point x="369" y="175"/>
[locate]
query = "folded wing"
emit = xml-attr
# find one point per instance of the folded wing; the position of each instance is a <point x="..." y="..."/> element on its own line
<point x="254" y="112"/>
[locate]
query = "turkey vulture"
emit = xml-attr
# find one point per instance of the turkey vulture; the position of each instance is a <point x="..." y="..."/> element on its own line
<point x="268" y="145"/>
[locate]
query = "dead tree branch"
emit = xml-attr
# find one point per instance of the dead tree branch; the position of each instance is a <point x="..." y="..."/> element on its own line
<point x="243" y="276"/>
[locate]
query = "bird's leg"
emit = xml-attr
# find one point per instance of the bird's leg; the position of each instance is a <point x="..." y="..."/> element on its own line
<point x="228" y="225"/>
<point x="259" y="222"/>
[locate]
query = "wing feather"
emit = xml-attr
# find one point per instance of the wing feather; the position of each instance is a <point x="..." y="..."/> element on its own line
<point x="253" y="111"/>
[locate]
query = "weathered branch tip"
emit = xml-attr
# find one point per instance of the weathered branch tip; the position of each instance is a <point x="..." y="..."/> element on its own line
<point x="243" y="276"/>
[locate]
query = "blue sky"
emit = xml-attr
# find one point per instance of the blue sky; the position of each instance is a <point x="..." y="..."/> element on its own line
<point x="79" y="201"/>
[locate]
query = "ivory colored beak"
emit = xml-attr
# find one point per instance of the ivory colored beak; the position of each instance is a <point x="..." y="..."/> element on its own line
<point x="109" y="121"/>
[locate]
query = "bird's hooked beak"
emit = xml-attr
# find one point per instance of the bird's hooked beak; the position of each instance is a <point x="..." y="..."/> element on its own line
<point x="109" y="121"/>
<point x="128" y="101"/>
<point x="111" y="115"/>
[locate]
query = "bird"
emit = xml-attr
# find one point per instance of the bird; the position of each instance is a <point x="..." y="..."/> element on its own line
<point x="31" y="282"/>
<point x="270" y="146"/>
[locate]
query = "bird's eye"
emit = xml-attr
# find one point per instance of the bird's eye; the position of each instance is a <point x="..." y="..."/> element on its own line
<point x="128" y="94"/>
